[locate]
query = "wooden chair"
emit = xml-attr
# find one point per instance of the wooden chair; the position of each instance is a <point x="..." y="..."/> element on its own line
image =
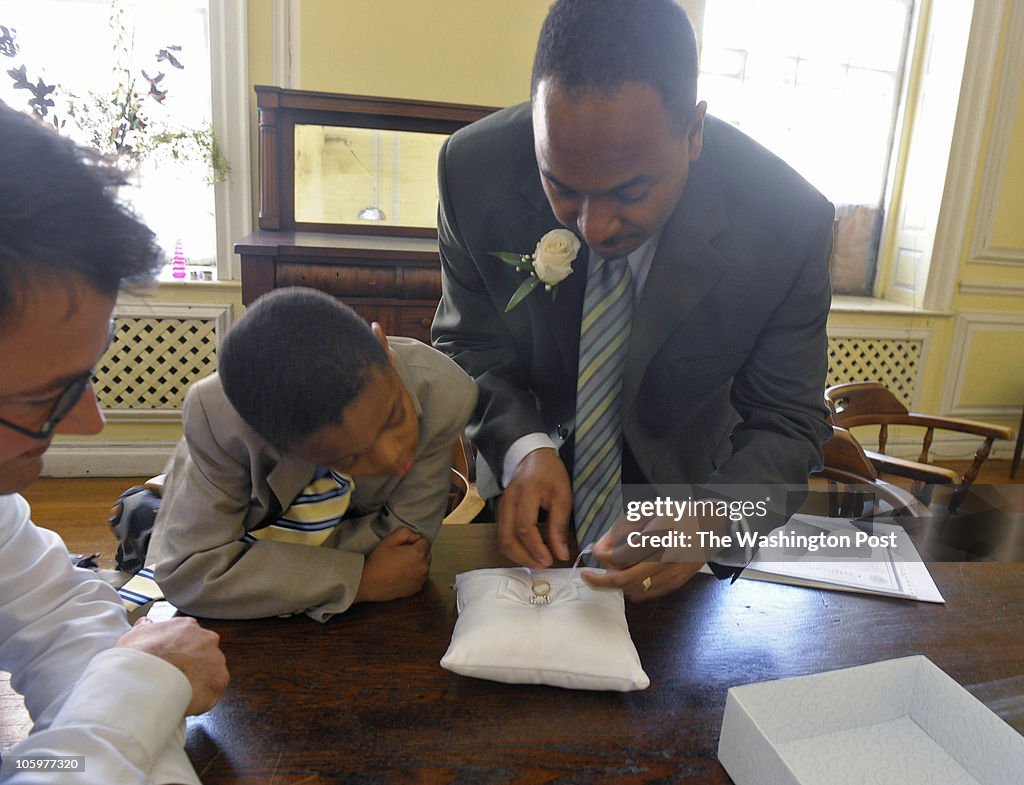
<point x="870" y="403"/>
<point x="1015" y="463"/>
<point x="465" y="502"/>
<point x="851" y="480"/>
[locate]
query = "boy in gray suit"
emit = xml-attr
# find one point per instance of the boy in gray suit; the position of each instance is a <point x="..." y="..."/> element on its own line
<point x="313" y="473"/>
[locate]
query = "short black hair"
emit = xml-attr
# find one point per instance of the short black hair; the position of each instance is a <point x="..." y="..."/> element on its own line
<point x="602" y="44"/>
<point x="294" y="361"/>
<point x="61" y="220"/>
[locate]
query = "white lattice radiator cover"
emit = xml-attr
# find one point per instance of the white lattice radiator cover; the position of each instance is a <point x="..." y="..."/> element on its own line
<point x="896" y="362"/>
<point x="155" y="357"/>
<point x="157" y="352"/>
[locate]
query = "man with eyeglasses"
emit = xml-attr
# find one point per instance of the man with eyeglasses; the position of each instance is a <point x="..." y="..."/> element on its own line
<point x="63" y="404"/>
<point x="107" y="700"/>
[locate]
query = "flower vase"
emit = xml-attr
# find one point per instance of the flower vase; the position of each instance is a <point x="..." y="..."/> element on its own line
<point x="178" y="267"/>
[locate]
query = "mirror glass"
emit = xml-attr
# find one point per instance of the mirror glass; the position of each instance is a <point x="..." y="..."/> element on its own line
<point x="367" y="176"/>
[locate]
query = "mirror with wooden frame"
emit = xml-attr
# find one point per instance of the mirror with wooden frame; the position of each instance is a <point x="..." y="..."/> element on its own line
<point x="352" y="164"/>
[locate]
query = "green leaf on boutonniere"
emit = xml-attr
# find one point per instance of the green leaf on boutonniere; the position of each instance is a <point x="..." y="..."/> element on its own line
<point x="514" y="259"/>
<point x="524" y="289"/>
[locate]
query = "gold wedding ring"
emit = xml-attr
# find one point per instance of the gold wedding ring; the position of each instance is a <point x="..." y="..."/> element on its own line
<point x="541" y="589"/>
<point x="646" y="583"/>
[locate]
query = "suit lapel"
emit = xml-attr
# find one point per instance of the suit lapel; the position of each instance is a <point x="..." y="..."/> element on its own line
<point x="288" y="477"/>
<point x="684" y="269"/>
<point x="560" y="315"/>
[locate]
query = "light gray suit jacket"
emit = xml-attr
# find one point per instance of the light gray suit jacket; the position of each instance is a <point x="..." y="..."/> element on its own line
<point x="225" y="480"/>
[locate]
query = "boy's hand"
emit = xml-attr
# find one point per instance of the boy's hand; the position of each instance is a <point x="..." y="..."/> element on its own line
<point x="397" y="567"/>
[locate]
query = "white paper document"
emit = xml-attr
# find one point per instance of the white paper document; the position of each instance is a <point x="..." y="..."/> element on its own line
<point x="828" y="553"/>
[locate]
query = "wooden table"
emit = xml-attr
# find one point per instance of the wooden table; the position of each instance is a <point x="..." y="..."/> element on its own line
<point x="362" y="698"/>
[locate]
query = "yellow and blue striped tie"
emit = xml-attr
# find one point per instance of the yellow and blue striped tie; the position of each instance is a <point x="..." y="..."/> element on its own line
<point x="604" y="339"/>
<point x="309" y="520"/>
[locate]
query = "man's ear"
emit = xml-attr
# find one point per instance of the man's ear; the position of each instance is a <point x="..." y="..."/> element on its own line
<point x="695" y="134"/>
<point x="382" y="337"/>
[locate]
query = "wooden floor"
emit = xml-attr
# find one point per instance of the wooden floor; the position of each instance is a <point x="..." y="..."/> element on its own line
<point x="78" y="509"/>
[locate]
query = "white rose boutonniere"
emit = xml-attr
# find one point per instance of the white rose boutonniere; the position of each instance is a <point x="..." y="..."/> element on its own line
<point x="549" y="264"/>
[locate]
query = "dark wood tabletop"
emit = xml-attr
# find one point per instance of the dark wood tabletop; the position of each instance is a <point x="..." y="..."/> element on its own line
<point x="362" y="699"/>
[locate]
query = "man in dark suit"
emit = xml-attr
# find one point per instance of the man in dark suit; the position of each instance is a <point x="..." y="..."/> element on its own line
<point x="728" y="250"/>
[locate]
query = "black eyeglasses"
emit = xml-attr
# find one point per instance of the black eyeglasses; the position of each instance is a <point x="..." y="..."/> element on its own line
<point x="66" y="401"/>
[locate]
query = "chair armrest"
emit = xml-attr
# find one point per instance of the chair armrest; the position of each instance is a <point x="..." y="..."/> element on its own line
<point x="985" y="429"/>
<point x="896" y="497"/>
<point x="469" y="505"/>
<point x="922" y="472"/>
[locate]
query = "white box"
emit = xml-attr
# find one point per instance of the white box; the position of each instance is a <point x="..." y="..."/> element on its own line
<point x="899" y="721"/>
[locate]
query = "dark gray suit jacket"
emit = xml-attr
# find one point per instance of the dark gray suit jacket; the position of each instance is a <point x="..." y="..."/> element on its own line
<point x="728" y="352"/>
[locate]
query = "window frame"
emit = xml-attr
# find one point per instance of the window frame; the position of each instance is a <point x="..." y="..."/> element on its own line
<point x="229" y="43"/>
<point x="954" y="215"/>
<point x="898" y="75"/>
<point x="227" y="26"/>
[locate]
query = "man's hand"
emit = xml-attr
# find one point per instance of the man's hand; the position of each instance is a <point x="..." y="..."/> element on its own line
<point x="632" y="568"/>
<point x="644" y="580"/>
<point x="540" y="481"/>
<point x="397" y="567"/>
<point x="188" y="647"/>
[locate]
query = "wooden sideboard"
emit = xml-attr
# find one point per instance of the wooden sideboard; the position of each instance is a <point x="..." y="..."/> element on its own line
<point x="392" y="280"/>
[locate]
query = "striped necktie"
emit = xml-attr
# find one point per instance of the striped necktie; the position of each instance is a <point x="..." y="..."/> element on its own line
<point x="310" y="519"/>
<point x="604" y="339"/>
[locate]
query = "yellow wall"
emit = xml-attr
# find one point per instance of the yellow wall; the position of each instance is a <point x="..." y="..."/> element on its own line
<point x="990" y="360"/>
<point x="1009" y="226"/>
<point x="995" y="349"/>
<point x="461" y="51"/>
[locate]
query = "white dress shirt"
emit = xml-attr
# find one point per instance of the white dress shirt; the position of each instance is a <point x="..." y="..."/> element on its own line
<point x="121" y="708"/>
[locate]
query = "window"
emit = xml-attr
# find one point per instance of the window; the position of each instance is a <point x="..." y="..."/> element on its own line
<point x="74" y="45"/>
<point x="819" y="84"/>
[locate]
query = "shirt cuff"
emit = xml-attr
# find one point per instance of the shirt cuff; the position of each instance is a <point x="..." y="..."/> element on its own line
<point x="731" y="561"/>
<point x="173" y="766"/>
<point x="520" y="448"/>
<point x="133" y="693"/>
